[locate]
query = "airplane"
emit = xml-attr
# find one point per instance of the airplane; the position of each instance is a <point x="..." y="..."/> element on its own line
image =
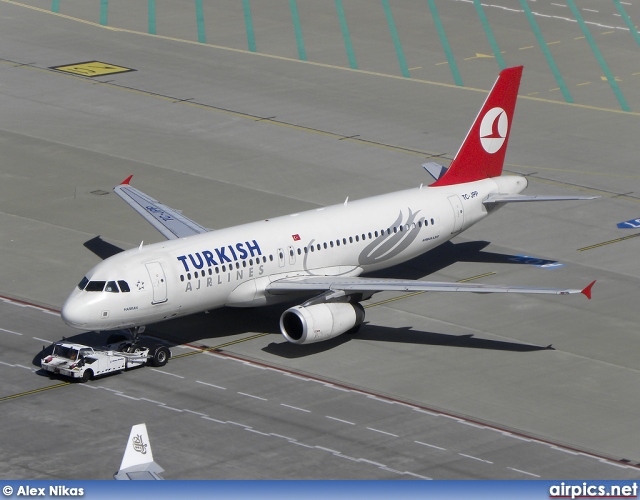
<point x="318" y="254"/>
<point x="137" y="461"/>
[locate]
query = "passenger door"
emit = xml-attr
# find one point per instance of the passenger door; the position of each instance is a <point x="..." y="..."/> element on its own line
<point x="158" y="281"/>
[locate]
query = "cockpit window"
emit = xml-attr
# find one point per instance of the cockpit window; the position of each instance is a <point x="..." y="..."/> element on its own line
<point x="111" y="287"/>
<point x="124" y="286"/>
<point x="83" y="283"/>
<point x="95" y="286"/>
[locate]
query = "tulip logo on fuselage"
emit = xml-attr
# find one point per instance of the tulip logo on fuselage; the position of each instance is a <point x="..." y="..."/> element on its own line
<point x="493" y="130"/>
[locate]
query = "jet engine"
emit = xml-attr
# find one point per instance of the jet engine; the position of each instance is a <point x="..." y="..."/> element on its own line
<point x="306" y="325"/>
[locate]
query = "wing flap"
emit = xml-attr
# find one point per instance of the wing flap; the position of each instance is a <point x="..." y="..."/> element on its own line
<point x="372" y="285"/>
<point x="170" y="222"/>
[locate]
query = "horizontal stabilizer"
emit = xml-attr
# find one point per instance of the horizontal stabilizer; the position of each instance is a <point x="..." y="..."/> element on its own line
<point x="170" y="222"/>
<point x="519" y="198"/>
<point x="435" y="169"/>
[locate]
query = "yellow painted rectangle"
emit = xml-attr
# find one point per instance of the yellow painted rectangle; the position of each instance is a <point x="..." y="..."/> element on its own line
<point x="92" y="69"/>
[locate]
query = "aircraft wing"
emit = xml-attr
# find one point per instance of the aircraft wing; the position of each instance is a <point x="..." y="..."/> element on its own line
<point x="372" y="285"/>
<point x="511" y="198"/>
<point x="171" y="223"/>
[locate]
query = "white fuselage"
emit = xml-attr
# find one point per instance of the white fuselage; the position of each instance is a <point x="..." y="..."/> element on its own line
<point x="233" y="266"/>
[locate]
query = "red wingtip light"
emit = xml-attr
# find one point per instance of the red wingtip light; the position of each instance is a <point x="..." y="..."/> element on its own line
<point x="587" y="290"/>
<point x="127" y="180"/>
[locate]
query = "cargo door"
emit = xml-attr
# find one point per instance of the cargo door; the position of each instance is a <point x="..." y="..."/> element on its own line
<point x="458" y="213"/>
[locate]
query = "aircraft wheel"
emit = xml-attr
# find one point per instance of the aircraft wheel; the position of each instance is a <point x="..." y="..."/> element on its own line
<point x="160" y="356"/>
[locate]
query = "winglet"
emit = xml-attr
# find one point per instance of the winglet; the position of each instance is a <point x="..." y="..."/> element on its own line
<point x="126" y="181"/>
<point x="587" y="290"/>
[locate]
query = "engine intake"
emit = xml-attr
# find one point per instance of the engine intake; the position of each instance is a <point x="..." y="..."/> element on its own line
<point x="306" y="325"/>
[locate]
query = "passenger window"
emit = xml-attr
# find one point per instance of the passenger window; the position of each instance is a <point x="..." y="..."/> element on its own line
<point x="111" y="287"/>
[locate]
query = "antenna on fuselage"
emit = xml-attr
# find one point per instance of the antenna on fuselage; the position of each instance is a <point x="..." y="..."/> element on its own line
<point x="141" y="243"/>
<point x="346" y="201"/>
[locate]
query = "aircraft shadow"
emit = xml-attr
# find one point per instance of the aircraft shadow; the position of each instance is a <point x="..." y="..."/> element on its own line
<point x="404" y="335"/>
<point x="407" y="335"/>
<point x="101" y="248"/>
<point x="447" y="254"/>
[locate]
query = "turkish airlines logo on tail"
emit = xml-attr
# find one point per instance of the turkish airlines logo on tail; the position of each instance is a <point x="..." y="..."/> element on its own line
<point x="493" y="130"/>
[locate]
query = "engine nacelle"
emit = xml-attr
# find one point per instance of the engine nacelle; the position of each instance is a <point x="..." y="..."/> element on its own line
<point x="306" y="325"/>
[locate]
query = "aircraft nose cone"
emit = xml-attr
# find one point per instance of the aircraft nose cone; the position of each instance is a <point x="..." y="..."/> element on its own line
<point x="72" y="314"/>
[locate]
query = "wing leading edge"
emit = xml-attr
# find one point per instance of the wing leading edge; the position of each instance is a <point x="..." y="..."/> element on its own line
<point x="372" y="285"/>
<point x="170" y="222"/>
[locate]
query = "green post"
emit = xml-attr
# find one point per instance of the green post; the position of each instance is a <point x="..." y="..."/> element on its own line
<point x="248" y="22"/>
<point x="396" y="39"/>
<point x="200" y="19"/>
<point x="345" y="35"/>
<point x="152" y="17"/>
<point x="445" y="43"/>
<point x="104" y="8"/>
<point x="302" y="53"/>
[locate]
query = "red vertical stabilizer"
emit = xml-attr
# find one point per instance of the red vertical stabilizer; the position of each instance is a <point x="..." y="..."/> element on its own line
<point x="482" y="153"/>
